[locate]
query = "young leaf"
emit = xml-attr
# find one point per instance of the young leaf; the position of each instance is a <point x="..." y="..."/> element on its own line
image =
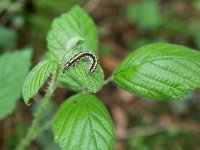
<point x="83" y="123"/>
<point x="160" y="71"/>
<point x="73" y="29"/>
<point x="14" y="68"/>
<point x="36" y="78"/>
<point x="75" y="23"/>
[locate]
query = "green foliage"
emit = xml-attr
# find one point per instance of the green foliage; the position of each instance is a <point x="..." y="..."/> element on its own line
<point x="82" y="122"/>
<point x="56" y="6"/>
<point x="40" y="20"/>
<point x="196" y="35"/>
<point x="160" y="71"/>
<point x="145" y="14"/>
<point x="46" y="142"/>
<point x="106" y="50"/>
<point x="71" y="33"/>
<point x="70" y="82"/>
<point x="196" y="4"/>
<point x="10" y="6"/>
<point x="37" y="77"/>
<point x="75" y="23"/>
<point x="8" y="37"/>
<point x="14" y="68"/>
<point x="157" y="71"/>
<point x="74" y="42"/>
<point x="77" y="78"/>
<point x="49" y="112"/>
<point x="165" y="139"/>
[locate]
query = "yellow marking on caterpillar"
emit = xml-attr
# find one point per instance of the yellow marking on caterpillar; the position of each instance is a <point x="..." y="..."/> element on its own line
<point x="76" y="58"/>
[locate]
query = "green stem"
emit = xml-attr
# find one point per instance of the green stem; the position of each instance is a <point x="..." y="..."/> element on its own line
<point x="31" y="134"/>
<point x="108" y="80"/>
<point x="45" y="126"/>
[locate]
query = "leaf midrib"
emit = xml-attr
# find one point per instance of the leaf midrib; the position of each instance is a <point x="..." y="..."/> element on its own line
<point x="91" y="125"/>
<point x="154" y="59"/>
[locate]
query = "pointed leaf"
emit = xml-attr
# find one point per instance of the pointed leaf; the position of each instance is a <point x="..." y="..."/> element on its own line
<point x="14" y="68"/>
<point x="83" y="123"/>
<point x="68" y="31"/>
<point x="75" y="23"/>
<point x="160" y="71"/>
<point x="36" y="78"/>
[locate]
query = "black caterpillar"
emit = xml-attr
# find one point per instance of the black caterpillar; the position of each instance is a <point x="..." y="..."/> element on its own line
<point x="77" y="57"/>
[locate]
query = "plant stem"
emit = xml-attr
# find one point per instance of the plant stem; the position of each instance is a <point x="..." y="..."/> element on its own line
<point x="31" y="134"/>
<point x="45" y="126"/>
<point x="107" y="80"/>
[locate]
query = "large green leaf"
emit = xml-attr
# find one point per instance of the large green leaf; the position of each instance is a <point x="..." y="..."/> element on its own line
<point x="83" y="123"/>
<point x="36" y="78"/>
<point x="75" y="23"/>
<point x="13" y="70"/>
<point x="75" y="31"/>
<point x="160" y="71"/>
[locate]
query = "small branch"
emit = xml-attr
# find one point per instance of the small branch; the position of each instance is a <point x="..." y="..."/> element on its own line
<point x="139" y="131"/>
<point x="156" y="128"/>
<point x="92" y="5"/>
<point x="109" y="79"/>
<point x="44" y="127"/>
<point x="32" y="131"/>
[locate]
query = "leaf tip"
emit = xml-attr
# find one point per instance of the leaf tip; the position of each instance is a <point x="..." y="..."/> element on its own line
<point x="26" y="101"/>
<point x="28" y="104"/>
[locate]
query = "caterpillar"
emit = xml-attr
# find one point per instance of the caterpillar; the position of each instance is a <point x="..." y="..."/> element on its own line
<point x="81" y="55"/>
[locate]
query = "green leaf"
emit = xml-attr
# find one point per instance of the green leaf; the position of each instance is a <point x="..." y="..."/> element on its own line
<point x="70" y="82"/>
<point x="36" y="78"/>
<point x="83" y="123"/>
<point x="75" y="32"/>
<point x="14" y="68"/>
<point x="74" y="42"/>
<point x="8" y="39"/>
<point x="77" y="77"/>
<point x="145" y="14"/>
<point x="75" y="23"/>
<point x="160" y="71"/>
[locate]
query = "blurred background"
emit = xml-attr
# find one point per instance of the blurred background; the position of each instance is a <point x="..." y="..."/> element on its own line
<point x="123" y="26"/>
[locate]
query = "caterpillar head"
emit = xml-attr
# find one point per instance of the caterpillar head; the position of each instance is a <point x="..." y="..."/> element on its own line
<point x="66" y="67"/>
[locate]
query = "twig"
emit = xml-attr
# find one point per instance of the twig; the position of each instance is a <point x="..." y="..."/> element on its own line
<point x="139" y="131"/>
<point x="109" y="79"/>
<point x="156" y="128"/>
<point x="92" y="5"/>
<point x="31" y="134"/>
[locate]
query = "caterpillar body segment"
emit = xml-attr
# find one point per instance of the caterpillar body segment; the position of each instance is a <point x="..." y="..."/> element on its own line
<point x="78" y="57"/>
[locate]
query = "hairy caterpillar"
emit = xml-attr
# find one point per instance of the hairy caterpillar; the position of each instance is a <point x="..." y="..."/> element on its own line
<point x="77" y="57"/>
